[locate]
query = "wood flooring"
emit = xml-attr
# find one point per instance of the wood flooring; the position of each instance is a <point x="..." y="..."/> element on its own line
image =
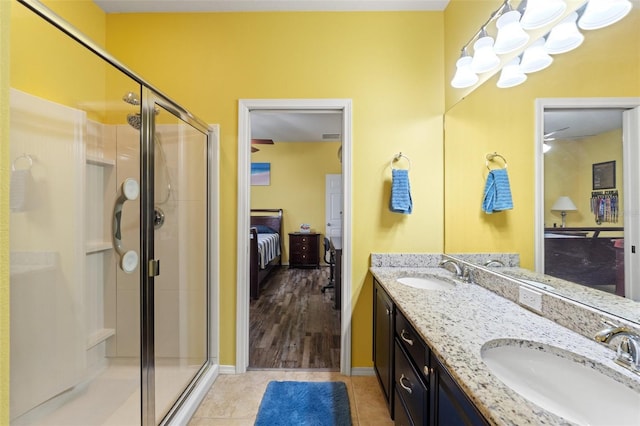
<point x="293" y="324"/>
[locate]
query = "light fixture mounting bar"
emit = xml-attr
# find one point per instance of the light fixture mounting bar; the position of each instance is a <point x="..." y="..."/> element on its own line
<point x="495" y="15"/>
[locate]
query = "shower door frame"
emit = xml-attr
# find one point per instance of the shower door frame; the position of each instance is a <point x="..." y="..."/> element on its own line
<point x="151" y="96"/>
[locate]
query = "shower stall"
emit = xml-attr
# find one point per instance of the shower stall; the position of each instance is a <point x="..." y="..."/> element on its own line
<point x="110" y="237"/>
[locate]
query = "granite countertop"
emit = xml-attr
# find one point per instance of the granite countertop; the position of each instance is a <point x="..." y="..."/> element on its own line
<point x="456" y="324"/>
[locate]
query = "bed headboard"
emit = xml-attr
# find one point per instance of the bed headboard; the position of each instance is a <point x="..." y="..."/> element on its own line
<point x="268" y="217"/>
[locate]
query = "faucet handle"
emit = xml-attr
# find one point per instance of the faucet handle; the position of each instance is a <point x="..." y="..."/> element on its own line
<point x="629" y="352"/>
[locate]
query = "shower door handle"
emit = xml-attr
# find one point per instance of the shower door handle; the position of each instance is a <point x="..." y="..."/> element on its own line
<point x="128" y="258"/>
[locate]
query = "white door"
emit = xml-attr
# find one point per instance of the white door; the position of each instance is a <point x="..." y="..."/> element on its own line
<point x="333" y="205"/>
<point x="631" y="147"/>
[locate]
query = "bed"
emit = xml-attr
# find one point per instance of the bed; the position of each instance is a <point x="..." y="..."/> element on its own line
<point x="265" y="246"/>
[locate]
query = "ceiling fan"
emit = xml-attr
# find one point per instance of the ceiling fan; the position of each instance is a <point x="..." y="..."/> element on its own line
<point x="548" y="136"/>
<point x="260" y="142"/>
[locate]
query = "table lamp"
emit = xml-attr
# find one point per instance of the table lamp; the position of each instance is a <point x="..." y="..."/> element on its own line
<point x="563" y="204"/>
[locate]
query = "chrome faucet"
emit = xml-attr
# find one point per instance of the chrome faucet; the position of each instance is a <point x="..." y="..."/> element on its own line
<point x="628" y="351"/>
<point x="446" y="262"/>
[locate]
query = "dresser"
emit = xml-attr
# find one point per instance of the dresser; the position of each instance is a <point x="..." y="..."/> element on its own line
<point x="304" y="250"/>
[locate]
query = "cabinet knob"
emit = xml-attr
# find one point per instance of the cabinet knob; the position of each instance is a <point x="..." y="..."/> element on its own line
<point x="388" y="312"/>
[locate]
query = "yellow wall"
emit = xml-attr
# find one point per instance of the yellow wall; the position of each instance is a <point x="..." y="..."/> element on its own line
<point x="568" y="171"/>
<point x="297" y="186"/>
<point x="57" y="54"/>
<point x="389" y="64"/>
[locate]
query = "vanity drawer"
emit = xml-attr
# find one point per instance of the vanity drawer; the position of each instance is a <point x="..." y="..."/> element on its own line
<point x="410" y="387"/>
<point x="401" y="417"/>
<point x="413" y="344"/>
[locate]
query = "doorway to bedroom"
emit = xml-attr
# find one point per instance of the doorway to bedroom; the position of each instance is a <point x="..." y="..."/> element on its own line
<point x="293" y="315"/>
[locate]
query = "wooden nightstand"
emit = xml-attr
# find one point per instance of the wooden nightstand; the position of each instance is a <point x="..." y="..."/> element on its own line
<point x="304" y="250"/>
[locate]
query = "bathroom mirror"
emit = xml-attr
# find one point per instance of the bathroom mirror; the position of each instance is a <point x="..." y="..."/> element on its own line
<point x="504" y="121"/>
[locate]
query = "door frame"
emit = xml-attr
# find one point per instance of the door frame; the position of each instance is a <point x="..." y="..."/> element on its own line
<point x="245" y="106"/>
<point x="629" y="152"/>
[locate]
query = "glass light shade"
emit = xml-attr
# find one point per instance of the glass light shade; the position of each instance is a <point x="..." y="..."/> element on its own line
<point x="541" y="12"/>
<point x="484" y="58"/>
<point x="565" y="36"/>
<point x="535" y="58"/>
<point x="601" y="13"/>
<point x="510" y="36"/>
<point x="464" y="76"/>
<point x="511" y="74"/>
<point x="546" y="148"/>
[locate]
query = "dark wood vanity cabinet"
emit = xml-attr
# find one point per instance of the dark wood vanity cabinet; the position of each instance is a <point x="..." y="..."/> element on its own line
<point x="449" y="404"/>
<point x="383" y="342"/>
<point x="418" y="388"/>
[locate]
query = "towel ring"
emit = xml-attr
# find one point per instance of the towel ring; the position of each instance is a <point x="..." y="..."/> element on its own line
<point x="398" y="157"/>
<point x="25" y="157"/>
<point x="491" y="157"/>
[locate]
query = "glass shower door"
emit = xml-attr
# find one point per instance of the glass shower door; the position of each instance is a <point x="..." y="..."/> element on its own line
<point x="75" y="313"/>
<point x="180" y="245"/>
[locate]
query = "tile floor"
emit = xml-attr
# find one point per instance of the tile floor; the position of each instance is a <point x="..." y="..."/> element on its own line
<point x="234" y="399"/>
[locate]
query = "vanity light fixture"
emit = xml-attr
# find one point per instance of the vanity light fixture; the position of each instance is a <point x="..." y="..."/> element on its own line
<point x="511" y="36"/>
<point x="565" y="36"/>
<point x="601" y="13"/>
<point x="563" y="204"/>
<point x="464" y="76"/>
<point x="511" y="74"/>
<point x="535" y="57"/>
<point x="484" y="58"/>
<point x="539" y="13"/>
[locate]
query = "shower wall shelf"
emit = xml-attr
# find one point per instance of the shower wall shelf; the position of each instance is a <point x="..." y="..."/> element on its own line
<point x="100" y="161"/>
<point x="98" y="246"/>
<point x="99" y="336"/>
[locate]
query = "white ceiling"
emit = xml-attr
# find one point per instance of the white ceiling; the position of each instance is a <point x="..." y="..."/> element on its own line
<point x="581" y="122"/>
<point x="154" y="6"/>
<point x="296" y="126"/>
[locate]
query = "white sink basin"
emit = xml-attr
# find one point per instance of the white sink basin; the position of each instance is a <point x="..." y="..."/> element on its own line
<point x="557" y="381"/>
<point x="426" y="283"/>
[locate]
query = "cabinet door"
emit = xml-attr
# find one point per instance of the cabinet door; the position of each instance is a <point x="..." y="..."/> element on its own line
<point x="383" y="341"/>
<point x="449" y="405"/>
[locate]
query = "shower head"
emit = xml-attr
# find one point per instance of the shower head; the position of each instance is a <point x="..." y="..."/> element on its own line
<point x="131" y="98"/>
<point x="134" y="120"/>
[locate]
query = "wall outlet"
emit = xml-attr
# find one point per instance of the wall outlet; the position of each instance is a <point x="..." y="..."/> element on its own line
<point x="530" y="299"/>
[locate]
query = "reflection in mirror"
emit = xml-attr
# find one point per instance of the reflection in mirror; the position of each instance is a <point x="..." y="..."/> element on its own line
<point x="584" y="195"/>
<point x="504" y="121"/>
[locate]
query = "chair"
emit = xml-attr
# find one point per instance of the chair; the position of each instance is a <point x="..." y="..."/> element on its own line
<point x="331" y="261"/>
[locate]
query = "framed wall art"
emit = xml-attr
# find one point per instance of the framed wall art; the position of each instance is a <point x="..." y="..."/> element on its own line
<point x="604" y="175"/>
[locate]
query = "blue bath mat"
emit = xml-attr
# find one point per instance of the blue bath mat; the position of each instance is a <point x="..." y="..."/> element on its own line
<point x="304" y="403"/>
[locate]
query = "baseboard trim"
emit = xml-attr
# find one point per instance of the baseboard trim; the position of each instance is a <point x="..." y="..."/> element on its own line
<point x="362" y="371"/>
<point x="228" y="369"/>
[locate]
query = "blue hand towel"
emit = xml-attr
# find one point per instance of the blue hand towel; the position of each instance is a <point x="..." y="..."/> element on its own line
<point x="400" y="192"/>
<point x="497" y="192"/>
